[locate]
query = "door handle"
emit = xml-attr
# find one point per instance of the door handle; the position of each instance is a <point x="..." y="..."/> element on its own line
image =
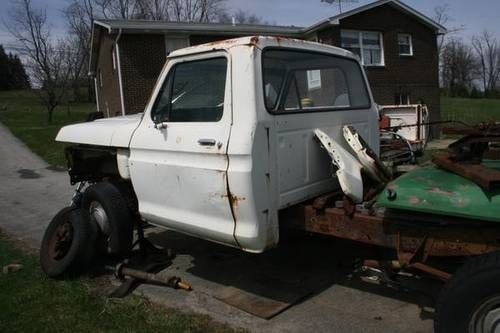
<point x="206" y="142"/>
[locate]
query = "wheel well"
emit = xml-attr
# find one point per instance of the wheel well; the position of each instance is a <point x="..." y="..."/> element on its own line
<point x="91" y="163"/>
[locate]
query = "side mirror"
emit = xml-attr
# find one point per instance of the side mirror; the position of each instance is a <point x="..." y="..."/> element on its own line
<point x="161" y="125"/>
<point x="160" y="121"/>
<point x="94" y="115"/>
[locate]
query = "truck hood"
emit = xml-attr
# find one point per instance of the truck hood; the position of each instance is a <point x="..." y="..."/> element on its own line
<point x="111" y="132"/>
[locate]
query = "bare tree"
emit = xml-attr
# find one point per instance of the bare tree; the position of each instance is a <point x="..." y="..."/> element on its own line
<point x="169" y="10"/>
<point x="459" y="67"/>
<point x="79" y="16"/>
<point x="442" y="17"/>
<point x="156" y="10"/>
<point x="124" y="9"/>
<point x="240" y="17"/>
<point x="487" y="52"/>
<point x="196" y="10"/>
<point x="48" y="60"/>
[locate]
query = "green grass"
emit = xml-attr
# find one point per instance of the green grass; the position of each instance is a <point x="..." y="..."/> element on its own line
<point x="471" y="111"/>
<point x="22" y="113"/>
<point x="31" y="302"/>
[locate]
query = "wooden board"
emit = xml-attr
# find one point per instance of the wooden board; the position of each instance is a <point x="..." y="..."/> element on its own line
<point x="266" y="300"/>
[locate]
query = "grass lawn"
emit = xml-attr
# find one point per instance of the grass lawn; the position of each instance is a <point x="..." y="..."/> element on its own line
<point x="471" y="111"/>
<point x="31" y="302"/>
<point x="22" y="113"/>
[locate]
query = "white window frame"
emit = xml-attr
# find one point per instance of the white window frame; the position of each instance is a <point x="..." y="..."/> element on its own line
<point x="313" y="79"/>
<point x="360" y="40"/>
<point x="410" y="38"/>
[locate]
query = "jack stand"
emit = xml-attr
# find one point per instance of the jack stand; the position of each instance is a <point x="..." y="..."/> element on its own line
<point x="144" y="266"/>
<point x="146" y="248"/>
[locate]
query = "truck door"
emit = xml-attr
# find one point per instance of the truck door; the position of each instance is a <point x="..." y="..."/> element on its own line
<point x="178" y="155"/>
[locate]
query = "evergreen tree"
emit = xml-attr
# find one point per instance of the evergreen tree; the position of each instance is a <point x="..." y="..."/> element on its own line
<point x="12" y="72"/>
<point x="4" y="70"/>
<point x="19" y="76"/>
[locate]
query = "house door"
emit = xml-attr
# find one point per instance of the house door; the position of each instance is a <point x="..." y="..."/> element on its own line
<point x="178" y="155"/>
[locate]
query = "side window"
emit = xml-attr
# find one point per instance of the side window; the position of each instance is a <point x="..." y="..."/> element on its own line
<point x="161" y="107"/>
<point x="193" y="92"/>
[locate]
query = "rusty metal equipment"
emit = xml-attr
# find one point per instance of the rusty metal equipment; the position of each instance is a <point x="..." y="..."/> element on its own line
<point x="121" y="271"/>
<point x="415" y="238"/>
<point x="436" y="212"/>
<point x="474" y="156"/>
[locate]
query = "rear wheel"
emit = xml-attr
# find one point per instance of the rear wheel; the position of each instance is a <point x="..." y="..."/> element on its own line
<point x="104" y="204"/>
<point x="470" y="302"/>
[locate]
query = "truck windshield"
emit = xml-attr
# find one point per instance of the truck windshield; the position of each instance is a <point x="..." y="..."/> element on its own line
<point x="298" y="81"/>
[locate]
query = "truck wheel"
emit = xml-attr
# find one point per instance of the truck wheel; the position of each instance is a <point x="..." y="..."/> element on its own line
<point x="67" y="244"/>
<point x="104" y="204"/>
<point x="470" y="301"/>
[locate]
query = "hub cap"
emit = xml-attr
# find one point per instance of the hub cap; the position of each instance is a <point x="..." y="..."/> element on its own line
<point x="60" y="242"/>
<point x="98" y="214"/>
<point x="486" y="319"/>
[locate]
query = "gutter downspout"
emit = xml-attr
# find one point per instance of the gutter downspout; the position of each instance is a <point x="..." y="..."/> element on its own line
<point x="118" y="64"/>
<point x="96" y="94"/>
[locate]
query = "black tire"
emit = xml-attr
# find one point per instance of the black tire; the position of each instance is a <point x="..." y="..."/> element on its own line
<point x="120" y="219"/>
<point x="474" y="286"/>
<point x="67" y="244"/>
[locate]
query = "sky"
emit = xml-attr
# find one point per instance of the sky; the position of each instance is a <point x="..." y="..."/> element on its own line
<point x="465" y="13"/>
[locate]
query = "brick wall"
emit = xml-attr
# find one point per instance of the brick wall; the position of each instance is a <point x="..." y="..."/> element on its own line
<point x="416" y="75"/>
<point x="142" y="58"/>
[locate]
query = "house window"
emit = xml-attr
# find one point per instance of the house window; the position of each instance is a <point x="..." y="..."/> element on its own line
<point x="173" y="43"/>
<point x="314" y="79"/>
<point x="405" y="45"/>
<point x="368" y="45"/>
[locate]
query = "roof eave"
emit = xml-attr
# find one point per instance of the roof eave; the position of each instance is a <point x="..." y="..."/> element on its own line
<point x="335" y="20"/>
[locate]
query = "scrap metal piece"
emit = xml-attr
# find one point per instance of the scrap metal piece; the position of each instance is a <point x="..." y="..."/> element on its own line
<point x="487" y="178"/>
<point x="371" y="163"/>
<point x="438" y="192"/>
<point x="175" y="282"/>
<point x="349" y="168"/>
<point x="405" y="234"/>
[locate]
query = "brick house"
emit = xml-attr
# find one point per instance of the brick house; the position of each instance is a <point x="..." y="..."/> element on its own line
<point x="397" y="46"/>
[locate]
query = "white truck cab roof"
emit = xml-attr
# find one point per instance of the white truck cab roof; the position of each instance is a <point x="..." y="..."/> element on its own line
<point x="261" y="42"/>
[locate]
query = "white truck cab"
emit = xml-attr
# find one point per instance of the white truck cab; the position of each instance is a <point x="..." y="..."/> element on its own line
<point x="227" y="139"/>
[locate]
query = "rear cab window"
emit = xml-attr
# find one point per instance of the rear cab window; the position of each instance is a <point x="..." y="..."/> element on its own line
<point x="303" y="81"/>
